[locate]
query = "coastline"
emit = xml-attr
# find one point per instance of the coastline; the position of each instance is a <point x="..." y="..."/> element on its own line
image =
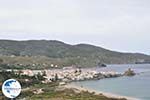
<point x="109" y="95"/>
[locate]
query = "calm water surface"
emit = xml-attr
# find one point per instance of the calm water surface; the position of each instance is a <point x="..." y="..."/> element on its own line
<point x="137" y="86"/>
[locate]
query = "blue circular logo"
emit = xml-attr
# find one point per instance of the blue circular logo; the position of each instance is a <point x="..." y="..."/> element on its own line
<point x="11" y="88"/>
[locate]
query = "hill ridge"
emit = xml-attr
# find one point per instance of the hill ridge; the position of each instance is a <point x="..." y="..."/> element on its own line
<point x="80" y="54"/>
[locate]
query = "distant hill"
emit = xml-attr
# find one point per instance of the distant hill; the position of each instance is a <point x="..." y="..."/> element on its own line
<point x="63" y="54"/>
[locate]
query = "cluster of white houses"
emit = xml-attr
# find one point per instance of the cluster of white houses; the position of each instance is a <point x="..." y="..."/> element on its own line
<point x="72" y="74"/>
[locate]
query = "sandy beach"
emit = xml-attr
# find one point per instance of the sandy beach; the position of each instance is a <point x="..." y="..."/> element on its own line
<point x="110" y="95"/>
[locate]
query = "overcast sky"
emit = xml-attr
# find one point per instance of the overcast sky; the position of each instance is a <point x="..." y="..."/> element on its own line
<point x="122" y="25"/>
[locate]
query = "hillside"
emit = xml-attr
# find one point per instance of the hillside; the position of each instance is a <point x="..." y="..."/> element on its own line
<point x="46" y="53"/>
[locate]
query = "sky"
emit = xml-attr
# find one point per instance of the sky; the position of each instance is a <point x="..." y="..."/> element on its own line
<point x="119" y="25"/>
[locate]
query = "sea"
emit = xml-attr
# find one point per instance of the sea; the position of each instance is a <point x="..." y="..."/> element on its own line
<point x="137" y="86"/>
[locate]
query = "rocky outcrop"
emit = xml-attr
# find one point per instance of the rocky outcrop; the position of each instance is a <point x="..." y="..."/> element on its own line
<point x="129" y="72"/>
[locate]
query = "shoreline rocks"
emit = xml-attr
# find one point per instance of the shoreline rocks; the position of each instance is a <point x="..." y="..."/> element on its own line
<point x="129" y="72"/>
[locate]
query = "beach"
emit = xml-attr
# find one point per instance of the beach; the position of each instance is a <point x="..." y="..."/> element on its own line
<point x="109" y="95"/>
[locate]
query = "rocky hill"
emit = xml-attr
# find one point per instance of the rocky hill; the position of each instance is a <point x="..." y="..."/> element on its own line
<point x="62" y="54"/>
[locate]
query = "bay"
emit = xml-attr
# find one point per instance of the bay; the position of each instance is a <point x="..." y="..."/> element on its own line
<point x="137" y="86"/>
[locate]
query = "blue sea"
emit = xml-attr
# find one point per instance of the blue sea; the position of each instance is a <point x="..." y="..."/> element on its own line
<point x="137" y="86"/>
